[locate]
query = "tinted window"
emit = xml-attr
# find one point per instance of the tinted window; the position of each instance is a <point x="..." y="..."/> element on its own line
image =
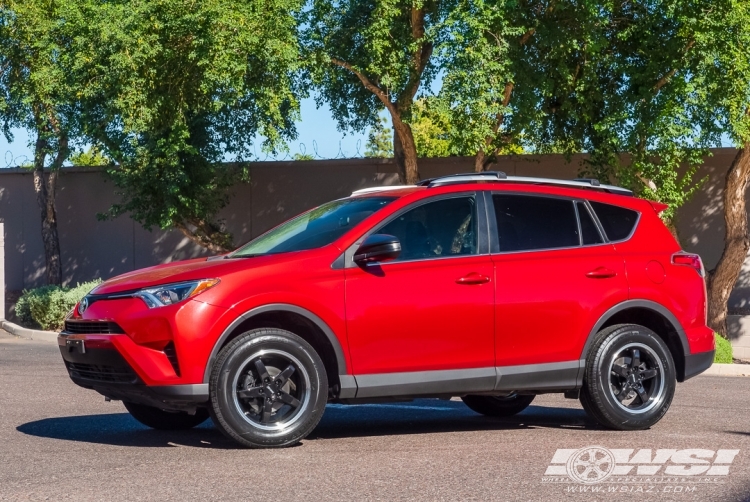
<point x="315" y="228"/>
<point x="618" y="222"/>
<point x="589" y="232"/>
<point x="526" y="222"/>
<point x="442" y="228"/>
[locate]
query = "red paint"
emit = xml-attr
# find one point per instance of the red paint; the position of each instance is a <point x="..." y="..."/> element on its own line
<point x="461" y="312"/>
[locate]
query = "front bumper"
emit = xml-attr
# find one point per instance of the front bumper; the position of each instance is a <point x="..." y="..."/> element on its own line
<point x="93" y="362"/>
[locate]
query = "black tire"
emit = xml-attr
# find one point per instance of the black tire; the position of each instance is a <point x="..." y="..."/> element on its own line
<point x="166" y="420"/>
<point x="630" y="378"/>
<point x="258" y="364"/>
<point x="494" y="406"/>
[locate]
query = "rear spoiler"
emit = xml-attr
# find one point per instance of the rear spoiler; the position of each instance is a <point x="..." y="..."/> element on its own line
<point x="658" y="206"/>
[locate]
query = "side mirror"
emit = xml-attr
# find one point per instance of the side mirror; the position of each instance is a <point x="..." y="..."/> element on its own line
<point x="377" y="247"/>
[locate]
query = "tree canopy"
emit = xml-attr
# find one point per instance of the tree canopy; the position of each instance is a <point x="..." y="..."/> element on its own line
<point x="175" y="87"/>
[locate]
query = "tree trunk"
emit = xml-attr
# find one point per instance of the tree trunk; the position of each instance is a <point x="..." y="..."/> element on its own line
<point x="479" y="161"/>
<point x="736" y="244"/>
<point x="405" y="152"/>
<point x="45" y="197"/>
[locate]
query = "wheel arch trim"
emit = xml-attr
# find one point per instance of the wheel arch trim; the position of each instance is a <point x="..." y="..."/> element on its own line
<point x="278" y="307"/>
<point x="645" y="304"/>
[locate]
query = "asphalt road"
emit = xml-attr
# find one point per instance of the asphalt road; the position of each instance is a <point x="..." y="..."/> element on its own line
<point x="61" y="442"/>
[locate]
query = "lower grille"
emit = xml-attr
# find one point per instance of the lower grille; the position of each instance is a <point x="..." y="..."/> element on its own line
<point x="77" y="327"/>
<point x="101" y="373"/>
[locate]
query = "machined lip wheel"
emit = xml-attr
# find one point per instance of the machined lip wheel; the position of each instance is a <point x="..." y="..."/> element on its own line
<point x="271" y="390"/>
<point x="636" y="378"/>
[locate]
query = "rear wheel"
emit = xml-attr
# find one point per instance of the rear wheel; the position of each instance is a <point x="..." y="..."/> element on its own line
<point x="629" y="380"/>
<point x="166" y="420"/>
<point x="495" y="406"/>
<point x="268" y="389"/>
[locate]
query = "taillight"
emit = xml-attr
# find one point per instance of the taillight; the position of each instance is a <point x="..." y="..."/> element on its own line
<point x="690" y="260"/>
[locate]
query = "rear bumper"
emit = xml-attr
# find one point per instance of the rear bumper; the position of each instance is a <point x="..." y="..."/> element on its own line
<point x="695" y="364"/>
<point x="101" y="367"/>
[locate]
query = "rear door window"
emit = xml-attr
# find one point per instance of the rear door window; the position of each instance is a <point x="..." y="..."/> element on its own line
<point x="618" y="222"/>
<point x="527" y="223"/>
<point x="589" y="233"/>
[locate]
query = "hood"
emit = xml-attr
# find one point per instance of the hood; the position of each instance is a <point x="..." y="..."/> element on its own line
<point x="199" y="268"/>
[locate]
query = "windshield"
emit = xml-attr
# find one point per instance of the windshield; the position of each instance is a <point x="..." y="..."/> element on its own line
<point x="315" y="228"/>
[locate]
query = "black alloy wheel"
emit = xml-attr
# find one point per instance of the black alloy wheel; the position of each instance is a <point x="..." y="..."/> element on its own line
<point x="268" y="389"/>
<point x="630" y="378"/>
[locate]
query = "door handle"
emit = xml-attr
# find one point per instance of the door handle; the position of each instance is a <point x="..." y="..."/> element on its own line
<point x="601" y="273"/>
<point x="473" y="278"/>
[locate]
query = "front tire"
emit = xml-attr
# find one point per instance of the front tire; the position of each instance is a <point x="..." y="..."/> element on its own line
<point x="166" y="420"/>
<point x="629" y="380"/>
<point x="268" y="389"/>
<point x="495" y="406"/>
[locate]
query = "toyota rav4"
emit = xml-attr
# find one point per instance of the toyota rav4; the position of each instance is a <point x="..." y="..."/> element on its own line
<point x="488" y="287"/>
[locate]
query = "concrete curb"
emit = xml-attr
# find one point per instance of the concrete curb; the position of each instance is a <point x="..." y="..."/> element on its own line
<point x="30" y="334"/>
<point x="738" y="370"/>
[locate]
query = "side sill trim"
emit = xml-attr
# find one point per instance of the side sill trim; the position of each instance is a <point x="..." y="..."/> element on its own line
<point x="567" y="375"/>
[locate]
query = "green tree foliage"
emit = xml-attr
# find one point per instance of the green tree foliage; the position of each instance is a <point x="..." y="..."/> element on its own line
<point x="37" y="94"/>
<point x="174" y="87"/>
<point x="379" y="140"/>
<point x="91" y="157"/>
<point x="370" y="55"/>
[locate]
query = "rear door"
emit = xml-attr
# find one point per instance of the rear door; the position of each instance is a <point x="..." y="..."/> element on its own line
<point x="555" y="276"/>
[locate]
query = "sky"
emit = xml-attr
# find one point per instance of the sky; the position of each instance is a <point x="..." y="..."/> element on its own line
<point x="316" y="133"/>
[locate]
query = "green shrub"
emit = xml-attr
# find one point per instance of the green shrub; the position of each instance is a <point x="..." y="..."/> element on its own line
<point x="723" y="350"/>
<point x="47" y="306"/>
<point x="23" y="310"/>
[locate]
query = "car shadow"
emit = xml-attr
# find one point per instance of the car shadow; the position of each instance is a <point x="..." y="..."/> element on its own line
<point x="339" y="421"/>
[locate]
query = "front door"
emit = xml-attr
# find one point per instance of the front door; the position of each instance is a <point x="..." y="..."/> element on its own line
<point x="432" y="308"/>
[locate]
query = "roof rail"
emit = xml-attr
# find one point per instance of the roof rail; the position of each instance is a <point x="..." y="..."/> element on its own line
<point x="380" y="189"/>
<point x="498" y="176"/>
<point x="463" y="178"/>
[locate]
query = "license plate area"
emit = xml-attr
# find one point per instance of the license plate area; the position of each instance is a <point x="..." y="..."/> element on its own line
<point x="78" y="346"/>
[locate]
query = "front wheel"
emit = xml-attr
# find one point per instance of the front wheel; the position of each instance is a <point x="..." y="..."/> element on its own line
<point x="268" y="389"/>
<point x="166" y="420"/>
<point x="629" y="380"/>
<point x="495" y="406"/>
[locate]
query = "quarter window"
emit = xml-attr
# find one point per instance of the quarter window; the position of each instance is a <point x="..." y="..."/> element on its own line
<point x="446" y="227"/>
<point x="528" y="222"/>
<point x="618" y="222"/>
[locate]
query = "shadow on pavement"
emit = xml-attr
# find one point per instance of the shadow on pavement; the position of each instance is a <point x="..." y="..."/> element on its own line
<point x="339" y="421"/>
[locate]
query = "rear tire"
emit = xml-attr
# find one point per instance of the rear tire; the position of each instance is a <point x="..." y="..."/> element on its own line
<point x="166" y="420"/>
<point x="268" y="389"/>
<point x="494" y="406"/>
<point x="629" y="380"/>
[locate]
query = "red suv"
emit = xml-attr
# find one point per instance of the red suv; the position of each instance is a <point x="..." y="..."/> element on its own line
<point x="485" y="286"/>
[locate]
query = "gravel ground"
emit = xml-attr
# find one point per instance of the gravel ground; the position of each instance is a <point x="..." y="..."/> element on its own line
<point x="61" y="442"/>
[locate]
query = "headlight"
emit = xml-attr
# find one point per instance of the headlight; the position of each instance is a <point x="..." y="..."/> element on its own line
<point x="169" y="294"/>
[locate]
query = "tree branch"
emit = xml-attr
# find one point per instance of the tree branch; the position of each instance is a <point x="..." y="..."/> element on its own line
<point x="668" y="76"/>
<point x="369" y="85"/>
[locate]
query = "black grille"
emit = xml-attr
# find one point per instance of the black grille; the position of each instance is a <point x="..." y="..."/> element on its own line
<point x="171" y="354"/>
<point x="92" y="327"/>
<point x="101" y="373"/>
